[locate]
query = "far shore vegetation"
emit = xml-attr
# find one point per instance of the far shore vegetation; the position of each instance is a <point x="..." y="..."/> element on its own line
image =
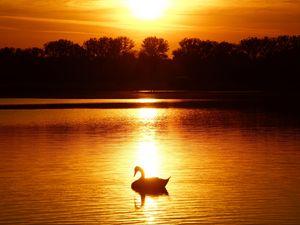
<point x="105" y="63"/>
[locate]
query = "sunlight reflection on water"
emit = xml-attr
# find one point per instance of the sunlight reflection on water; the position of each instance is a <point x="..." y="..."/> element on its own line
<point x="76" y="166"/>
<point x="147" y="149"/>
<point x="147" y="100"/>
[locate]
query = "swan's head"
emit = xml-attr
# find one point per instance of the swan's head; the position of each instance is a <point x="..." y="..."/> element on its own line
<point x="137" y="169"/>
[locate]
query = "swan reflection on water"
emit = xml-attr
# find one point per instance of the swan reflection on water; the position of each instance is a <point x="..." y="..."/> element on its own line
<point x="153" y="186"/>
<point x="143" y="196"/>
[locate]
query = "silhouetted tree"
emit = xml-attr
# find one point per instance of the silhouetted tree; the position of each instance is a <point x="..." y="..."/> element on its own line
<point x="7" y="52"/>
<point x="154" y="47"/>
<point x="196" y="48"/>
<point x="270" y="63"/>
<point x="225" y="49"/>
<point x="122" y="46"/>
<point x="109" y="48"/>
<point x="63" y="48"/>
<point x="208" y="64"/>
<point x="98" y="48"/>
<point x="30" y="53"/>
<point x="35" y="52"/>
<point x="153" y="63"/>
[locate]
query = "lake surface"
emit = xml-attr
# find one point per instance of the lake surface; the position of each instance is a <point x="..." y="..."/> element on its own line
<point x="75" y="166"/>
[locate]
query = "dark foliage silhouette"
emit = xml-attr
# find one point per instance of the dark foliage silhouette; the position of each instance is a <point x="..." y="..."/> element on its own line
<point x="154" y="47"/>
<point x="153" y="64"/>
<point x="63" y="48"/>
<point x="64" y="68"/>
<point x="109" y="48"/>
<point x="253" y="64"/>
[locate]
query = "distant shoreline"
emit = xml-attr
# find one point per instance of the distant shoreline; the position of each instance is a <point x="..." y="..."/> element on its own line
<point x="161" y="99"/>
<point x="156" y="94"/>
<point x="65" y="69"/>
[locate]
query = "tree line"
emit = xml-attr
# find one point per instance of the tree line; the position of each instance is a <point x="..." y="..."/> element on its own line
<point x="107" y="63"/>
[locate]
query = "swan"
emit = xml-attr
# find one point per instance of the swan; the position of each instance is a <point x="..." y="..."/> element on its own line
<point x="153" y="185"/>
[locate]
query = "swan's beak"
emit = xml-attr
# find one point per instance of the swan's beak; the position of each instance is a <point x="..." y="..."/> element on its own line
<point x="134" y="173"/>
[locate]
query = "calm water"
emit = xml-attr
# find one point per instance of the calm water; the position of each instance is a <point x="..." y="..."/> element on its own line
<point x="76" y="166"/>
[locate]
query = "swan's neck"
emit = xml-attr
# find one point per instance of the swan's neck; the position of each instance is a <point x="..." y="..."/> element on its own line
<point x="142" y="172"/>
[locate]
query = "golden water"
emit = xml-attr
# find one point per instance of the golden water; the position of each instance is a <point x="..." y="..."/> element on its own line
<point x="76" y="166"/>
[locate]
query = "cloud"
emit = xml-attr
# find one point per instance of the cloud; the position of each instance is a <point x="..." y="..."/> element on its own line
<point x="217" y="18"/>
<point x="52" y="20"/>
<point x="9" y="28"/>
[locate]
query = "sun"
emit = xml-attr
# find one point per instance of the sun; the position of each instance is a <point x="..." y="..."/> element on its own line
<point x="148" y="9"/>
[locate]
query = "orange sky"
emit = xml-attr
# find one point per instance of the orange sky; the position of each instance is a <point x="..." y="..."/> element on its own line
<point x="28" y="23"/>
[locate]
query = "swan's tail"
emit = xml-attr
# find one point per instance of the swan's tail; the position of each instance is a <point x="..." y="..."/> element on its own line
<point x="167" y="180"/>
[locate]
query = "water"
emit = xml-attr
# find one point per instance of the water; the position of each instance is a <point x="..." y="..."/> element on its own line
<point x="75" y="166"/>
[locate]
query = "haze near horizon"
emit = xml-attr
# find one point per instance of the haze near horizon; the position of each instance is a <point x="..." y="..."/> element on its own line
<point x="25" y="23"/>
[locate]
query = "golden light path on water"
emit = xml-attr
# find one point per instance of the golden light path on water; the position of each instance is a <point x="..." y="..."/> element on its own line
<point x="148" y="157"/>
<point x="147" y="147"/>
<point x="147" y="100"/>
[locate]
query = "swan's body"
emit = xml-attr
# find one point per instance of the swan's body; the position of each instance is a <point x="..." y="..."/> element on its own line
<point x="153" y="185"/>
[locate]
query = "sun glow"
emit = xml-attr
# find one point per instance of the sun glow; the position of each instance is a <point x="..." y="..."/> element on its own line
<point x="148" y="9"/>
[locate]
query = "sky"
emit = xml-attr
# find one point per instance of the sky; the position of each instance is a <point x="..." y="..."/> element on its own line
<point x="31" y="23"/>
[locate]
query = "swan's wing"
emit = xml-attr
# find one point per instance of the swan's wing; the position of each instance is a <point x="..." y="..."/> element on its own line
<point x="158" y="181"/>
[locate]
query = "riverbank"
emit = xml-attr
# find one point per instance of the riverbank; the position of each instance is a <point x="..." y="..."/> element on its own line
<point x="161" y="99"/>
